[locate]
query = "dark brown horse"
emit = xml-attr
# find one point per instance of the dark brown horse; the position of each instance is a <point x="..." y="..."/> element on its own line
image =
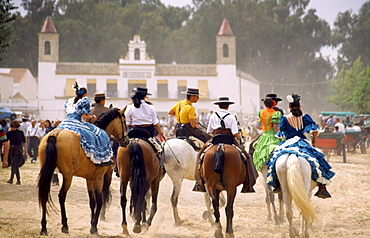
<point x="62" y="149"/>
<point x="231" y="172"/>
<point x="138" y="164"/>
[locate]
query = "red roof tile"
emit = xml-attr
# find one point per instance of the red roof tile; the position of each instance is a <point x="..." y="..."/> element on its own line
<point x="225" y="29"/>
<point x="48" y="26"/>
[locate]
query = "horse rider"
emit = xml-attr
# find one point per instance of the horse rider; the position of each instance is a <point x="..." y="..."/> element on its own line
<point x="185" y="114"/>
<point x="141" y="114"/>
<point x="99" y="107"/>
<point x="275" y="101"/>
<point x="222" y="122"/>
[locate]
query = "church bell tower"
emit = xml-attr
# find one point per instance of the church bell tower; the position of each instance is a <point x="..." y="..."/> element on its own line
<point x="48" y="42"/>
<point x="225" y="44"/>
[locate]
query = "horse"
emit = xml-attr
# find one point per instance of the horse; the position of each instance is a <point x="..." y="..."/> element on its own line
<point x="294" y="174"/>
<point x="138" y="164"/>
<point x="179" y="159"/>
<point x="223" y="169"/>
<point x="61" y="149"/>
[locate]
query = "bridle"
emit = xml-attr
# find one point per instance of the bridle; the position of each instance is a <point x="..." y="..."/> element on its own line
<point x="124" y="141"/>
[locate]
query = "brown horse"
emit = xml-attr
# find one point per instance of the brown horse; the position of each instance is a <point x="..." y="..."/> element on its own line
<point x="231" y="172"/>
<point x="138" y="164"/>
<point x="62" y="149"/>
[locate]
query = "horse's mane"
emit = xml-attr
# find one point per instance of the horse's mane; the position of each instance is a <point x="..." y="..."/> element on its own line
<point x="106" y="117"/>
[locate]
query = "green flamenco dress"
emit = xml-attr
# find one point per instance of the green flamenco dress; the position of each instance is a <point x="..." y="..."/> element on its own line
<point x="267" y="141"/>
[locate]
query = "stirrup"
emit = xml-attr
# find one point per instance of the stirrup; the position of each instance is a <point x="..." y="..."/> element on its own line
<point x="199" y="188"/>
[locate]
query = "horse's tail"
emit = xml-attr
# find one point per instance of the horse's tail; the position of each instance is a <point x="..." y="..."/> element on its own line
<point x="47" y="172"/>
<point x="219" y="159"/>
<point x="297" y="189"/>
<point x="138" y="180"/>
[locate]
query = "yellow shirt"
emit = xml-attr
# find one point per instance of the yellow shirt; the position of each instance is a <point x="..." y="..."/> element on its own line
<point x="186" y="109"/>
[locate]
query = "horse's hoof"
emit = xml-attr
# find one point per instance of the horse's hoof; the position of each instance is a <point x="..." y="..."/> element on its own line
<point x="125" y="230"/>
<point x="137" y="229"/>
<point x="93" y="231"/>
<point x="43" y="233"/>
<point x="229" y="235"/>
<point x="206" y="215"/>
<point x="65" y="230"/>
<point x="145" y="226"/>
<point x="218" y="233"/>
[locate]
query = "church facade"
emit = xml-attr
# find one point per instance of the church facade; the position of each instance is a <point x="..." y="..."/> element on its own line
<point x="136" y="68"/>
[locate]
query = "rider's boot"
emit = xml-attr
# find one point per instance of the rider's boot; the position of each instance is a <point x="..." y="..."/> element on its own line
<point x="199" y="184"/>
<point x="322" y="192"/>
<point x="277" y="189"/>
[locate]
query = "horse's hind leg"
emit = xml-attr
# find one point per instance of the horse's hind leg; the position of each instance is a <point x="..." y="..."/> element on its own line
<point x="175" y="198"/>
<point x="230" y="212"/>
<point x="94" y="188"/>
<point x="123" y="188"/>
<point x="62" y="199"/>
<point x="215" y="195"/>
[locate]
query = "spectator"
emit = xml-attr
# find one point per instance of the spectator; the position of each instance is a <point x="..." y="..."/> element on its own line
<point x="34" y="134"/>
<point x="17" y="152"/>
<point x="5" y="147"/>
<point x="24" y="125"/>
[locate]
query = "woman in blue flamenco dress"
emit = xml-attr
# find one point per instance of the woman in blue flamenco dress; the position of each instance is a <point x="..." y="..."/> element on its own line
<point x="294" y="128"/>
<point x="94" y="140"/>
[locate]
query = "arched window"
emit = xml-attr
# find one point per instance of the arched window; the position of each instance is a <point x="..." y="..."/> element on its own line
<point x="47" y="48"/>
<point x="225" y="50"/>
<point x="137" y="54"/>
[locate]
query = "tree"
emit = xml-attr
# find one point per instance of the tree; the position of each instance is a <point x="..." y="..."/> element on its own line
<point x="6" y="18"/>
<point x="351" y="88"/>
<point x="352" y="35"/>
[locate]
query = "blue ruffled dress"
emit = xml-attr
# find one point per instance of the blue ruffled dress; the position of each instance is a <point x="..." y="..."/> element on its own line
<point x="296" y="143"/>
<point x="94" y="140"/>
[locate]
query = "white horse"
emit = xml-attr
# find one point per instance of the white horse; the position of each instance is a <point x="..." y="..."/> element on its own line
<point x="179" y="162"/>
<point x="294" y="174"/>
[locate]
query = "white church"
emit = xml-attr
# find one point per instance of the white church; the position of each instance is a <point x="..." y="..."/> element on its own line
<point x="136" y="68"/>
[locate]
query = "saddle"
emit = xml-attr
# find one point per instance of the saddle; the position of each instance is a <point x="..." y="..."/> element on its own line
<point x="140" y="133"/>
<point x="184" y="134"/>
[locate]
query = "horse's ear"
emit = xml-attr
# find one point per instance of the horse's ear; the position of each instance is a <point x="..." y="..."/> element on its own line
<point x="123" y="111"/>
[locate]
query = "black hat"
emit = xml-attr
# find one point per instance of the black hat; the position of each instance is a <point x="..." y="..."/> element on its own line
<point x="141" y="91"/>
<point x="192" y="91"/>
<point x="99" y="96"/>
<point x="223" y="100"/>
<point x="274" y="97"/>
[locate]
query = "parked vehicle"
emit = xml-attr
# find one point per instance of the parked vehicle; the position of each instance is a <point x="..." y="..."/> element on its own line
<point x="7" y="113"/>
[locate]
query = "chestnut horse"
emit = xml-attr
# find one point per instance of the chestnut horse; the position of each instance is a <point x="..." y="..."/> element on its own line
<point x="138" y="164"/>
<point x="62" y="149"/>
<point x="229" y="175"/>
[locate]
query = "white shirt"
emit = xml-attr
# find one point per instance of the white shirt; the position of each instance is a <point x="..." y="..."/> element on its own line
<point x="215" y="122"/>
<point x="341" y="127"/>
<point x="356" y="128"/>
<point x="143" y="115"/>
<point x="34" y="131"/>
<point x="24" y="126"/>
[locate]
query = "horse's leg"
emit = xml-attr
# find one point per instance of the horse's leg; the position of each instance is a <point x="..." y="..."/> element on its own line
<point x="281" y="208"/>
<point x="153" y="210"/>
<point x="94" y="188"/>
<point x="230" y="212"/>
<point x="177" y="185"/>
<point x="215" y="196"/>
<point x="270" y="198"/>
<point x="208" y="214"/>
<point x="123" y="188"/>
<point x="62" y="198"/>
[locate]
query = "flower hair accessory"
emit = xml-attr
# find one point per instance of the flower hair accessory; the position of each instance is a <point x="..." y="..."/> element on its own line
<point x="293" y="97"/>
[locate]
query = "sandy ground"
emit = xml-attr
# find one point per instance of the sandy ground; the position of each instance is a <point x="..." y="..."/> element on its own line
<point x="346" y="214"/>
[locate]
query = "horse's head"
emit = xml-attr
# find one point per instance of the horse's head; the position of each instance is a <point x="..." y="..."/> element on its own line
<point x="114" y="123"/>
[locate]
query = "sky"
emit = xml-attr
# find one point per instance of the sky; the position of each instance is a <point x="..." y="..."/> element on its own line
<point x="326" y="9"/>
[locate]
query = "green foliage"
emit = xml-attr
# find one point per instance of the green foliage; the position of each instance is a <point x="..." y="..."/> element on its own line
<point x="351" y="88"/>
<point x="352" y="35"/>
<point x="6" y="18"/>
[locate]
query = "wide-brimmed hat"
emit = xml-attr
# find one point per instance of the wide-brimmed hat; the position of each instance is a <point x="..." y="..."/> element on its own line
<point x="223" y="100"/>
<point x="274" y="97"/>
<point x="100" y="96"/>
<point x="141" y="91"/>
<point x="192" y="91"/>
